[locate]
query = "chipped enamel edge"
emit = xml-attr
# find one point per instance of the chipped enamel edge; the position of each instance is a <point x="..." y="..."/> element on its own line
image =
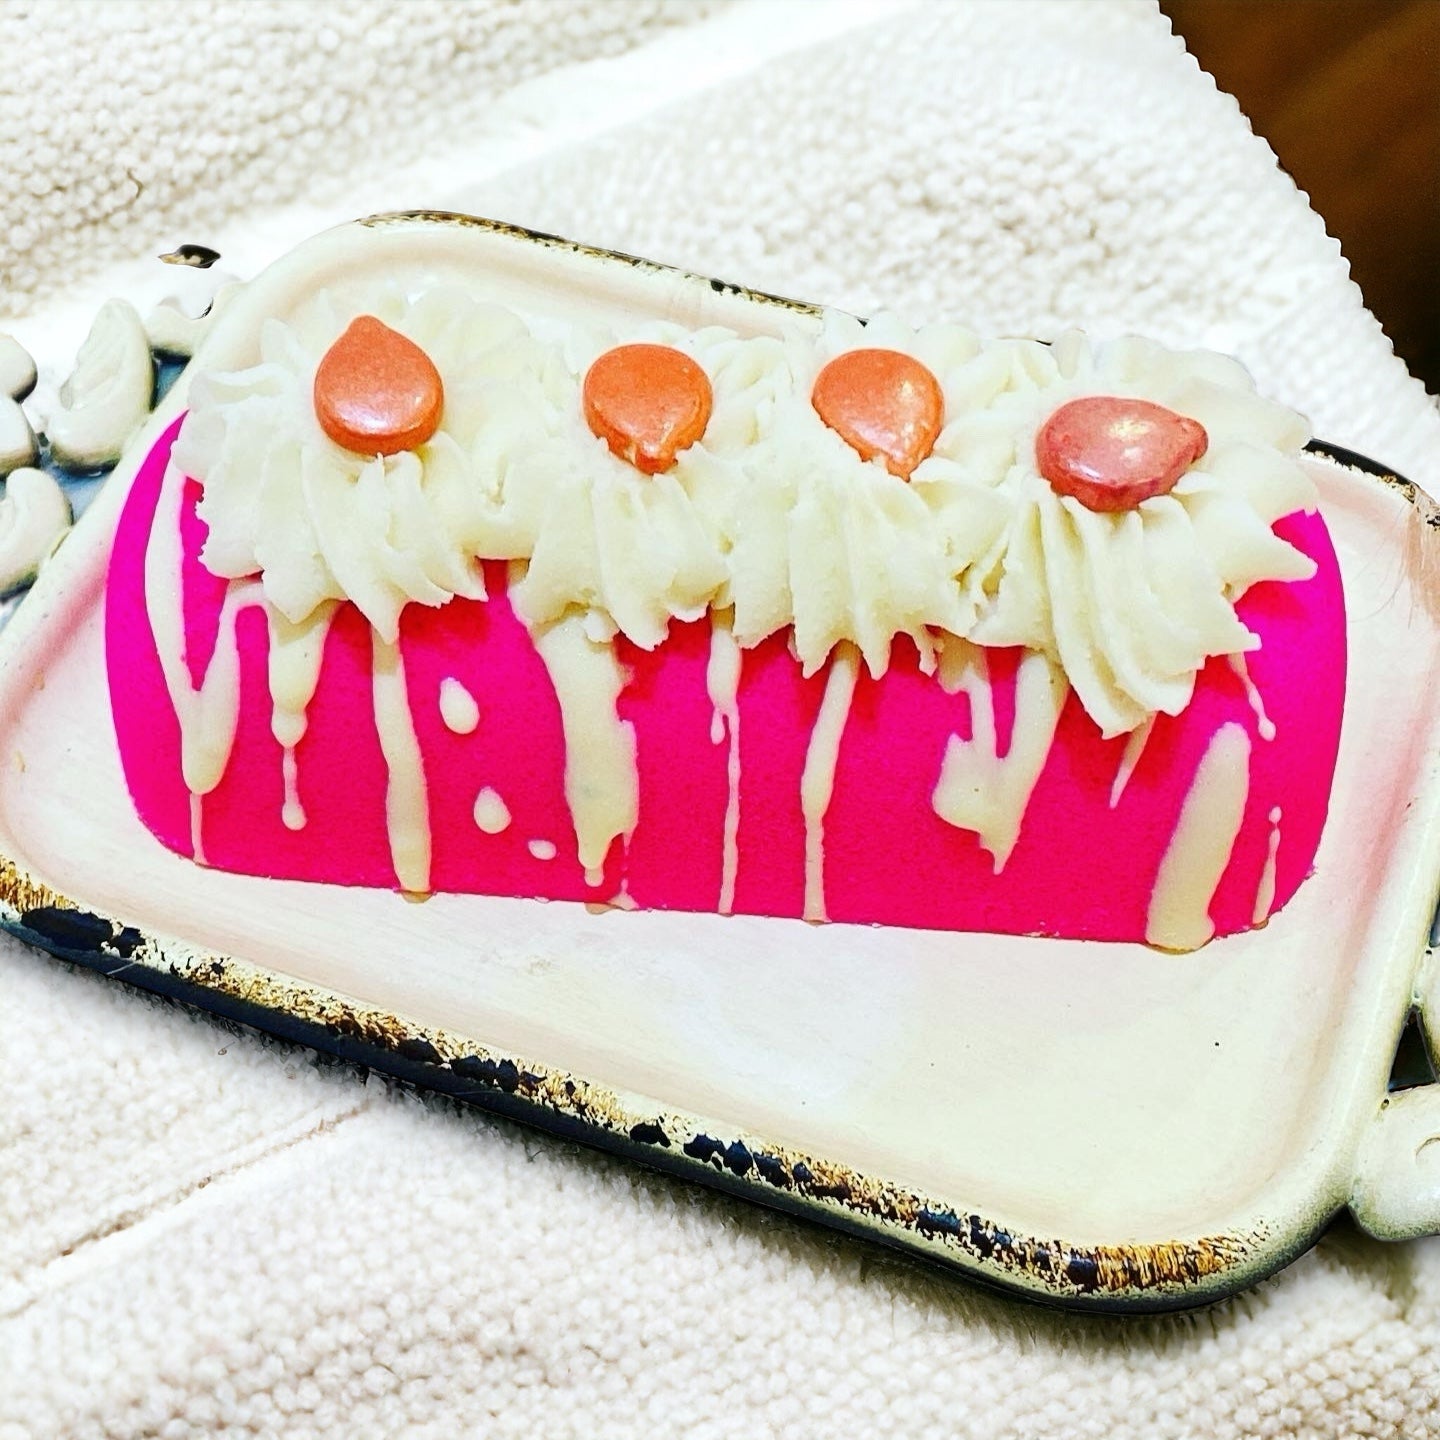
<point x="1130" y="1277"/>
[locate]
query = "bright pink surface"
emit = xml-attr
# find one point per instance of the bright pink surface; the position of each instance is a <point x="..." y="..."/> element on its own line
<point x="1080" y="869"/>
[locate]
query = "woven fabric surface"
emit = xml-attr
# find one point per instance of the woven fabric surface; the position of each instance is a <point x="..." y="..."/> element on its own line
<point x="125" y="117"/>
<point x="203" y="1232"/>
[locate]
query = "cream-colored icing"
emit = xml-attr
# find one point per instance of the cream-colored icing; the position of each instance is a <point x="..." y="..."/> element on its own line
<point x="635" y="551"/>
<point x="836" y="547"/>
<point x="542" y="849"/>
<point x="197" y="824"/>
<point x="1203" y="840"/>
<point x="771" y="514"/>
<point x="458" y="708"/>
<point x="722" y="683"/>
<point x="492" y="814"/>
<point x="602" y="785"/>
<point x="1135" y="744"/>
<point x="979" y="789"/>
<point x="1265" y="893"/>
<point x="207" y="714"/>
<point x="317" y="522"/>
<point x="1264" y="725"/>
<point x="1131" y="604"/>
<point x="817" y="781"/>
<point x="296" y="653"/>
<point x="292" y="812"/>
<point x="407" y="809"/>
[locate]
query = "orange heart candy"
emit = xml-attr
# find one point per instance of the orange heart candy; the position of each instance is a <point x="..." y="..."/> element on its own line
<point x="881" y="403"/>
<point x="647" y="403"/>
<point x="1112" y="452"/>
<point x="376" y="392"/>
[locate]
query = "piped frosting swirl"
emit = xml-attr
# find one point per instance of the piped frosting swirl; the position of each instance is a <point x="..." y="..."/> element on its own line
<point x="771" y="514"/>
<point x="1130" y="603"/>
<point x="316" y="521"/>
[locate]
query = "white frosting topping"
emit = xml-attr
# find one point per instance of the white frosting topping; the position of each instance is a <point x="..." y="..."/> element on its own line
<point x="838" y="547"/>
<point x="633" y="551"/>
<point x="1133" y="603"/>
<point x="318" y="522"/>
<point x="771" y="514"/>
<point x="817" y="782"/>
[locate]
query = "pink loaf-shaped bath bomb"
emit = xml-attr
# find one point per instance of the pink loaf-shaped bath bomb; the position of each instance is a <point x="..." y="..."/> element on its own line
<point x="1084" y="866"/>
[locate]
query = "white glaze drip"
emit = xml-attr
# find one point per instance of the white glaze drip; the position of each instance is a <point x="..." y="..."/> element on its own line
<point x="1135" y="744"/>
<point x="492" y="814"/>
<point x="292" y="812"/>
<point x="817" y="783"/>
<point x="407" y="810"/>
<point x="722" y="681"/>
<point x="207" y="715"/>
<point x="542" y="849"/>
<point x="197" y="818"/>
<point x="296" y="653"/>
<point x="458" y="708"/>
<point x="602" y="784"/>
<point x="1202" y="843"/>
<point x="979" y="789"/>
<point x="1264" y="725"/>
<point x="1265" y="895"/>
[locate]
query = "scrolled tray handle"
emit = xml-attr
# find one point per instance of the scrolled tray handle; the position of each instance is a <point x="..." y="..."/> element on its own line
<point x="1396" y="1195"/>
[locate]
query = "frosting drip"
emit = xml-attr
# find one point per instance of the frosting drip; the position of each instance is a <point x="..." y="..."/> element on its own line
<point x="601" y="780"/>
<point x="722" y="683"/>
<point x="1264" y="725"/>
<point x="492" y="814"/>
<point x="1265" y="893"/>
<point x="1135" y="743"/>
<point x="979" y="788"/>
<point x="817" y="781"/>
<point x="207" y="714"/>
<point x="407" y="813"/>
<point x="1201" y="846"/>
<point x="296" y="653"/>
<point x="457" y="707"/>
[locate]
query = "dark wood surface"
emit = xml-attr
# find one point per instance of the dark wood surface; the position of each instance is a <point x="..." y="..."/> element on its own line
<point x="1347" y="92"/>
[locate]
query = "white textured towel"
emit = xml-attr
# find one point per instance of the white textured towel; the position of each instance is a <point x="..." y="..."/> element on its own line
<point x="204" y="1233"/>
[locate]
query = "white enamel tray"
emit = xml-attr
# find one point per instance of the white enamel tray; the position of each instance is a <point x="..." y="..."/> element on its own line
<point x="1091" y="1124"/>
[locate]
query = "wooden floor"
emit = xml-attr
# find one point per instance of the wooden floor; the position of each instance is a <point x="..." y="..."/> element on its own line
<point x="1347" y="92"/>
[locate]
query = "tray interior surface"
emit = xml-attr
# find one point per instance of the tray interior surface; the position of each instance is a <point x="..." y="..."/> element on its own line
<point x="1096" y="1092"/>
